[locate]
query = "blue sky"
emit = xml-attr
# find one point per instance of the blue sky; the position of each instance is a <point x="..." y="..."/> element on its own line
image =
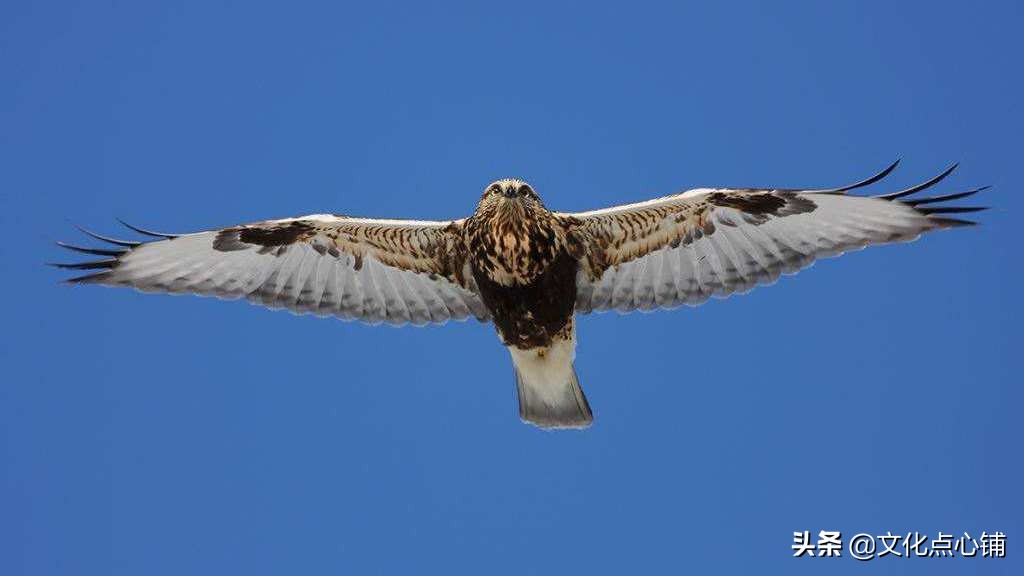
<point x="146" y="434"/>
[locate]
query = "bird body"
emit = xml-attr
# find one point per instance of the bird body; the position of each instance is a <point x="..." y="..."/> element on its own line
<point x="525" y="273"/>
<point x="524" y="268"/>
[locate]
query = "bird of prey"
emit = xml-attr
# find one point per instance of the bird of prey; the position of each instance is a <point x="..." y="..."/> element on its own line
<point x="525" y="269"/>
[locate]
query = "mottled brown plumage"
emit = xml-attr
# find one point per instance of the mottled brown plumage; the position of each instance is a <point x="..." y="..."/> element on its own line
<point x="518" y="253"/>
<point x="523" y="267"/>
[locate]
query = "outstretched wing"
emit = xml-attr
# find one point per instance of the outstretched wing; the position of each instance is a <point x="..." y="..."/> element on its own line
<point x="393" y="271"/>
<point x="685" y="248"/>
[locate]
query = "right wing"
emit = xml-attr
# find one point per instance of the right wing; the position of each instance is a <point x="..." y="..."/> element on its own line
<point x="686" y="248"/>
<point x="395" y="271"/>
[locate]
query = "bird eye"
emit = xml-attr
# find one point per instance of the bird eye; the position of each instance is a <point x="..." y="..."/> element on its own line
<point x="524" y="190"/>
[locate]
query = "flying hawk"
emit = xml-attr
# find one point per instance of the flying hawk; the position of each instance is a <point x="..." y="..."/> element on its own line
<point x="524" y="268"/>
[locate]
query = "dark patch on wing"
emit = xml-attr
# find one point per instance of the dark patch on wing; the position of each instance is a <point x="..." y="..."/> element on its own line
<point x="227" y="241"/>
<point x="760" y="204"/>
<point x="267" y="237"/>
<point x="797" y="204"/>
<point x="276" y="235"/>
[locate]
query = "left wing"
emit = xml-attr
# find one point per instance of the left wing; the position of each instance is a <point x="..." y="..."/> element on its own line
<point x="685" y="248"/>
<point x="395" y="271"/>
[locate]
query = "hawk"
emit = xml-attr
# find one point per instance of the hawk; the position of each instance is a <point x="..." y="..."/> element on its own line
<point x="525" y="269"/>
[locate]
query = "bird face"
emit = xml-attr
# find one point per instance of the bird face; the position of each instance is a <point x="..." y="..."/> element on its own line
<point x="510" y="195"/>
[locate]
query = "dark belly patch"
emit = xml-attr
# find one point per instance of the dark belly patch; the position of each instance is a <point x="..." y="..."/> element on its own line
<point x="530" y="315"/>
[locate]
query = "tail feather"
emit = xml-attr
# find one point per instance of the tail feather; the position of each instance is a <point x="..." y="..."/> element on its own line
<point x="549" y="404"/>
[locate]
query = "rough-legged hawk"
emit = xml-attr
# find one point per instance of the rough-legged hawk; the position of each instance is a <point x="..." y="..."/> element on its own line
<point x="524" y="268"/>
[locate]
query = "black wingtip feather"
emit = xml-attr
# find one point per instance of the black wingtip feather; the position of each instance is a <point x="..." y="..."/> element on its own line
<point x="952" y="209"/>
<point x="145" y="232"/>
<point x="867" y="182"/>
<point x="93" y="251"/>
<point x="86" y="279"/>
<point x="94" y="265"/>
<point x="115" y="241"/>
<point x="923" y="186"/>
<point x="113" y="255"/>
<point x="944" y="198"/>
<point x="933" y="207"/>
<point x="952" y="222"/>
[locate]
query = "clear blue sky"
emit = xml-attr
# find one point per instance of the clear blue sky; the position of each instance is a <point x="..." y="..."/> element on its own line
<point x="145" y="434"/>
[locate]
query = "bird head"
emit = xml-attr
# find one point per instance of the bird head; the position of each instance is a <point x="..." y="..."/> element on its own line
<point x="509" y="196"/>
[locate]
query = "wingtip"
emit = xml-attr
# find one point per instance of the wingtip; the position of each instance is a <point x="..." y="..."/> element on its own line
<point x="953" y="222"/>
<point x="93" y="251"/>
<point x="115" y="241"/>
<point x="953" y="209"/>
<point x="888" y="169"/>
<point x="915" y="202"/>
<point x="866" y="182"/>
<point x="93" y="265"/>
<point x="145" y="232"/>
<point x="920" y="187"/>
<point x="85" y="279"/>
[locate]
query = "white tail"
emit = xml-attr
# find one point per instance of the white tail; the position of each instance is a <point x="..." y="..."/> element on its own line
<point x="549" y="391"/>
